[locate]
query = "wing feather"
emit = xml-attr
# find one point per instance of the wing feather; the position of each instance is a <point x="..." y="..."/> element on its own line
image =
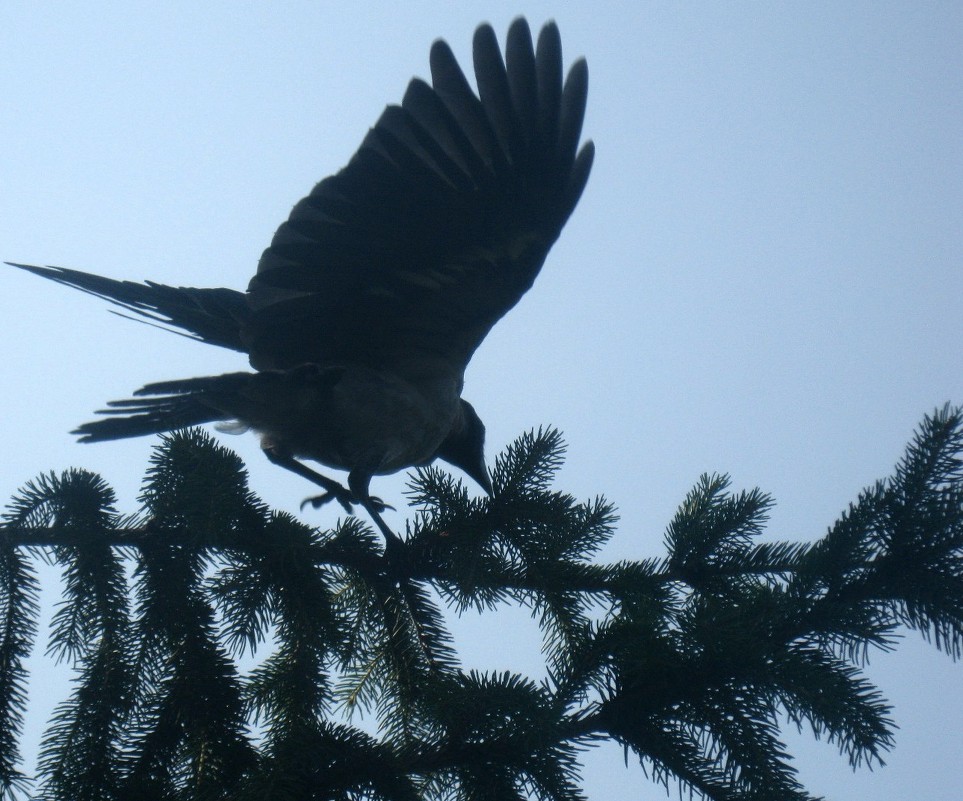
<point x="522" y="79"/>
<point x="438" y="224"/>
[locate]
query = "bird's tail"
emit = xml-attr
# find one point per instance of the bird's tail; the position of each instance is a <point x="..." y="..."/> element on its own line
<point x="214" y="316"/>
<point x="168" y="406"/>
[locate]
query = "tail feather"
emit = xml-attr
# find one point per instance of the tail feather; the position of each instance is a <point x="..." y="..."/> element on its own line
<point x="172" y="405"/>
<point x="226" y="383"/>
<point x="214" y="316"/>
<point x="150" y="417"/>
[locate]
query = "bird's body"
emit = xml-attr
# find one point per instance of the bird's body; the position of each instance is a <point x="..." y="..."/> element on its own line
<point x="372" y="297"/>
<point x="348" y="418"/>
<point x="403" y="423"/>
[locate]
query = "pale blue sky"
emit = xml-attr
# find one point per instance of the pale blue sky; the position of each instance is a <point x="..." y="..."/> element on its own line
<point x="763" y="276"/>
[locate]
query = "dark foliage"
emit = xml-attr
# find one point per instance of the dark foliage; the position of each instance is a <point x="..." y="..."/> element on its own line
<point x="218" y="645"/>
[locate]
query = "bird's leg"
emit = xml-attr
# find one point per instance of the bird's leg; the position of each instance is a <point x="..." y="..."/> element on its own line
<point x="332" y="489"/>
<point x="358" y="482"/>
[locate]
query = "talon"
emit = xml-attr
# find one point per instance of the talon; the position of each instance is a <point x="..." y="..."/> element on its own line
<point x="379" y="505"/>
<point x="317" y="501"/>
<point x="346" y="500"/>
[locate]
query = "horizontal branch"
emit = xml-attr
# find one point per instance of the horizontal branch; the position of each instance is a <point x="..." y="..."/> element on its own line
<point x="53" y="537"/>
<point x="151" y="536"/>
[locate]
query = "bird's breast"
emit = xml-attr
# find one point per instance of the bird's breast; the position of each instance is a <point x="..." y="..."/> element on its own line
<point x="363" y="419"/>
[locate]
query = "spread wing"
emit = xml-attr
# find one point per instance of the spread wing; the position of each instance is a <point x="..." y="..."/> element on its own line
<point x="439" y="223"/>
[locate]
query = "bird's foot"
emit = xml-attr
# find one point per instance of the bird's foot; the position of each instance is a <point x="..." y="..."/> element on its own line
<point x="379" y="505"/>
<point x="347" y="499"/>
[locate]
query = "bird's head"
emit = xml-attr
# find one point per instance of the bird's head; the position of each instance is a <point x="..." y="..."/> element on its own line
<point x="464" y="447"/>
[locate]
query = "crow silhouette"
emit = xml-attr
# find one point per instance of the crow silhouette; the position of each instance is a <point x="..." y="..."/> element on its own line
<point x="371" y="299"/>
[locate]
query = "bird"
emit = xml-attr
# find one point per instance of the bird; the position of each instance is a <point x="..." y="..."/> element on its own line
<point x="368" y="304"/>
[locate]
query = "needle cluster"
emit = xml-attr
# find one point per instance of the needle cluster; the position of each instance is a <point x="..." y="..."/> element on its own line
<point x="221" y="648"/>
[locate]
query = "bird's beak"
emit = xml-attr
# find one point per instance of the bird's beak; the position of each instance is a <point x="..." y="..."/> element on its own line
<point x="479" y="472"/>
<point x="486" y="484"/>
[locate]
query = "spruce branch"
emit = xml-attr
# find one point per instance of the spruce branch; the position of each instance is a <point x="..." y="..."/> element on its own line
<point x="692" y="661"/>
<point x="19" y="593"/>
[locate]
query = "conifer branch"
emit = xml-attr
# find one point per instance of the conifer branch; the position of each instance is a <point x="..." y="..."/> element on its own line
<point x="690" y="660"/>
